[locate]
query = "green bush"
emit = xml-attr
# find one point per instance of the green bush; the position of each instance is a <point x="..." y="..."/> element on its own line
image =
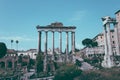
<point x="3" y="49"/>
<point x="39" y="63"/>
<point x="67" y="72"/>
<point x="103" y="74"/>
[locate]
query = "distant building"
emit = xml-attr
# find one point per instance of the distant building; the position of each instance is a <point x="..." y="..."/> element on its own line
<point x="92" y="52"/>
<point x="99" y="39"/>
<point x="9" y="60"/>
<point x="31" y="52"/>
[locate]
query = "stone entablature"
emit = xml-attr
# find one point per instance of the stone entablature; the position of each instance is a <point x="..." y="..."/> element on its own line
<point x="56" y="29"/>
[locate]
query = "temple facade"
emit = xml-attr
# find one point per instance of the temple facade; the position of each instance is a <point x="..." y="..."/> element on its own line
<point x="53" y="28"/>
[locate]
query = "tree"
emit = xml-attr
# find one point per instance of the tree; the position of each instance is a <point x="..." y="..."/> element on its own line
<point x="17" y="44"/>
<point x="3" y="49"/>
<point x="89" y="43"/>
<point x="67" y="72"/>
<point x="31" y="63"/>
<point x="20" y="58"/>
<point x="39" y="63"/>
<point x="78" y="63"/>
<point x="11" y="43"/>
<point x="94" y="44"/>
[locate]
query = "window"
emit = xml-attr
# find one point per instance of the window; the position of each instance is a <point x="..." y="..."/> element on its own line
<point x="113" y="42"/>
<point x="112" y="36"/>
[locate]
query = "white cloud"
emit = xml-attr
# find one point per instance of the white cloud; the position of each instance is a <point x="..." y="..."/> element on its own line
<point x="20" y="38"/>
<point x="78" y="15"/>
<point x="78" y="45"/>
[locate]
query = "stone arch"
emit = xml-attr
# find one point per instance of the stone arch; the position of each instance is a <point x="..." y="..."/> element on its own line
<point x="2" y="64"/>
<point x="9" y="64"/>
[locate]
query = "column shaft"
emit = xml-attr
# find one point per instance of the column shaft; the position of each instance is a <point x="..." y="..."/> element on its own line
<point x="53" y="46"/>
<point x="45" y="52"/>
<point x="105" y="41"/>
<point x="53" y="42"/>
<point x="67" y="46"/>
<point x="109" y="38"/>
<point x="60" y="42"/>
<point x="116" y="39"/>
<point x="73" y="42"/>
<point x="46" y="41"/>
<point x="39" y="42"/>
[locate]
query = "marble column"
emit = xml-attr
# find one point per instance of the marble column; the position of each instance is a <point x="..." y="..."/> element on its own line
<point x="45" y="52"/>
<point x="39" y="42"/>
<point x="73" y="42"/>
<point x="109" y="57"/>
<point x="109" y="39"/>
<point x="53" y="40"/>
<point x="72" y="45"/>
<point x="53" y="46"/>
<point x="46" y="41"/>
<point x="105" y="40"/>
<point x="67" y="46"/>
<point x="60" y="41"/>
<point x="116" y="39"/>
<point x="106" y="56"/>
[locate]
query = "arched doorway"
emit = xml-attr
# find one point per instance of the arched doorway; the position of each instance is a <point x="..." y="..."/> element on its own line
<point x="9" y="64"/>
<point x="2" y="64"/>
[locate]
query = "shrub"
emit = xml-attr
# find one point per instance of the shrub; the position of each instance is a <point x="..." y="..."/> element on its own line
<point x="67" y="72"/>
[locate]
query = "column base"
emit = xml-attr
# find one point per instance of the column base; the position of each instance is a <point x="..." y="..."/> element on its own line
<point x="67" y="60"/>
<point x="118" y="54"/>
<point x="108" y="62"/>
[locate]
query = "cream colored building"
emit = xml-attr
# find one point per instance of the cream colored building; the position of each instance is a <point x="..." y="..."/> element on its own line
<point x="31" y="52"/>
<point x="100" y="40"/>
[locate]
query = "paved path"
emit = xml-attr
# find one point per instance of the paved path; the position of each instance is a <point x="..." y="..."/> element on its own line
<point x="27" y="75"/>
<point x="85" y="65"/>
<point x="45" y="78"/>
